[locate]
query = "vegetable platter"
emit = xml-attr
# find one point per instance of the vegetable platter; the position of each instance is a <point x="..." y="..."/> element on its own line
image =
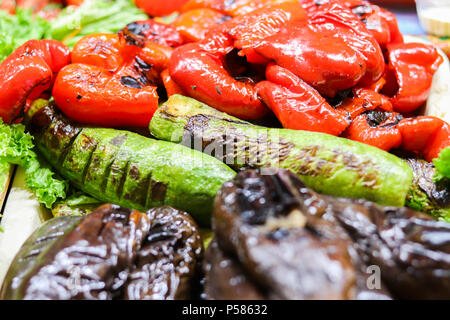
<point x="160" y="151"/>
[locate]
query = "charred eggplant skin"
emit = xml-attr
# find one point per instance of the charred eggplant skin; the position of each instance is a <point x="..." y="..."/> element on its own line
<point x="327" y="164"/>
<point x="167" y="263"/>
<point x="38" y="242"/>
<point x="276" y="244"/>
<point x="226" y="279"/>
<point x="411" y="249"/>
<point x="125" y="168"/>
<point x="113" y="253"/>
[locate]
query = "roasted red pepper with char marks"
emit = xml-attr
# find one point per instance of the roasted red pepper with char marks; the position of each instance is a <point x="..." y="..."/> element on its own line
<point x="118" y="91"/>
<point x="27" y="73"/>
<point x="139" y="33"/>
<point x="376" y="128"/>
<point x="199" y="69"/>
<point x="297" y="105"/>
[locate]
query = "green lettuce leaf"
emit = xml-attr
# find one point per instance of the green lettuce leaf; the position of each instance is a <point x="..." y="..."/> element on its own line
<point x="93" y="16"/>
<point x="16" y="147"/>
<point x="442" y="164"/>
<point x="19" y="28"/>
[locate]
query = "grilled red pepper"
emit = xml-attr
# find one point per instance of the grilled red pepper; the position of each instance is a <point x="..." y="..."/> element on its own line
<point x="247" y="30"/>
<point x="193" y="25"/>
<point x="139" y="33"/>
<point x="340" y="22"/>
<point x="171" y="86"/>
<point x="363" y="100"/>
<point x="426" y="136"/>
<point x="312" y="56"/>
<point x="157" y="8"/>
<point x="199" y="69"/>
<point x="297" y="105"/>
<point x="309" y="49"/>
<point x="232" y="8"/>
<point x="381" y="23"/>
<point x="27" y="73"/>
<point x="118" y="91"/>
<point x="410" y="74"/>
<point x="377" y="128"/>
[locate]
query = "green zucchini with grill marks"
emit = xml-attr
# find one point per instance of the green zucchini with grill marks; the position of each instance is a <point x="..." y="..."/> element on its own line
<point x="325" y="163"/>
<point x="126" y="168"/>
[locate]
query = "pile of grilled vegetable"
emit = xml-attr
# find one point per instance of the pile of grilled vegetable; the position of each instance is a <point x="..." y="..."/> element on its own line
<point x="310" y="175"/>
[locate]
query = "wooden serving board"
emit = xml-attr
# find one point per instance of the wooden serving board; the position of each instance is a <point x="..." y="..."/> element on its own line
<point x="22" y="214"/>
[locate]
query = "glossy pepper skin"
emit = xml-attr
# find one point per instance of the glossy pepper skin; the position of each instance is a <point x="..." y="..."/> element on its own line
<point x="195" y="24"/>
<point x="117" y="91"/>
<point x="426" y="136"/>
<point x="363" y="100"/>
<point x="198" y="68"/>
<point x="171" y="86"/>
<point x="157" y="8"/>
<point x="248" y="30"/>
<point x="27" y="73"/>
<point x="139" y="33"/>
<point x="232" y="8"/>
<point x="381" y="23"/>
<point x="340" y="22"/>
<point x="376" y="128"/>
<point x="411" y="67"/>
<point x="297" y="105"/>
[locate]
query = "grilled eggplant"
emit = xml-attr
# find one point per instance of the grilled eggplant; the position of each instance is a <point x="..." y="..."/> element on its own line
<point x="113" y="253"/>
<point x="296" y="244"/>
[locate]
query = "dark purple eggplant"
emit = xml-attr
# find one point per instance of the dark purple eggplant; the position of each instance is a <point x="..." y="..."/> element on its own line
<point x="112" y="253"/>
<point x="290" y="253"/>
<point x="297" y="244"/>
<point x="225" y="278"/>
<point x="166" y="264"/>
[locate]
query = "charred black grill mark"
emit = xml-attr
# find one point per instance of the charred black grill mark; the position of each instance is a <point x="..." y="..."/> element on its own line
<point x="138" y="28"/>
<point x="67" y="148"/>
<point x="88" y="164"/>
<point x="158" y="191"/>
<point x="142" y="64"/>
<point x="377" y="118"/>
<point x="130" y="82"/>
<point x="41" y="120"/>
<point x="106" y="177"/>
<point x="138" y="194"/>
<point x="123" y="179"/>
<point x="374" y="118"/>
<point x="278" y="199"/>
<point x="393" y="123"/>
<point x="117" y="169"/>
